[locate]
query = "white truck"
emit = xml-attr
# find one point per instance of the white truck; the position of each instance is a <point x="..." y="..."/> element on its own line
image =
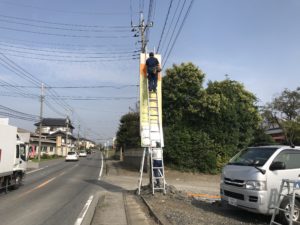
<point x="13" y="156"/>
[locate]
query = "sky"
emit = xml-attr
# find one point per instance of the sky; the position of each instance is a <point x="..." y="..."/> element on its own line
<point x="89" y="44"/>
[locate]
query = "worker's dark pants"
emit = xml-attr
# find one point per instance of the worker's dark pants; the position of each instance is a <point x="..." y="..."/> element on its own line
<point x="157" y="172"/>
<point x="152" y="81"/>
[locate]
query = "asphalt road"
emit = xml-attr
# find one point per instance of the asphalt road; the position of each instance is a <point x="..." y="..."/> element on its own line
<point x="54" y="194"/>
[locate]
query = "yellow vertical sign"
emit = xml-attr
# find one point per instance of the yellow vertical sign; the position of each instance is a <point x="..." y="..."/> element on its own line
<point x="144" y="114"/>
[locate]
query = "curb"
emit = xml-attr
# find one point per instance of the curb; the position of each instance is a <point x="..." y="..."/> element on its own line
<point x="152" y="213"/>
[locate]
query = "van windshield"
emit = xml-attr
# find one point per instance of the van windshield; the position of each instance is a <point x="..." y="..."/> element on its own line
<point x="252" y="157"/>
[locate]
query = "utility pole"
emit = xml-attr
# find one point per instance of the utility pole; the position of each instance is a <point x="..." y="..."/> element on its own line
<point x="67" y="121"/>
<point x="141" y="29"/>
<point x="78" y="138"/>
<point x="41" y="120"/>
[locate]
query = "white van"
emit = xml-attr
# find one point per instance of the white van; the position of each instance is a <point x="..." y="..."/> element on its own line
<point x="252" y="178"/>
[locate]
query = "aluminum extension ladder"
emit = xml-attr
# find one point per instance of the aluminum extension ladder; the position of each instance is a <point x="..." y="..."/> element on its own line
<point x="288" y="189"/>
<point x="155" y="140"/>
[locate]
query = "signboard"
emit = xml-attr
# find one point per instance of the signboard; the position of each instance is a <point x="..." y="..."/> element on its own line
<point x="144" y="114"/>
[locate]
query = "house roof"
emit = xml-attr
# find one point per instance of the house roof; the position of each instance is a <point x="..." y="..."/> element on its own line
<point x="55" y="122"/>
<point x="61" y="133"/>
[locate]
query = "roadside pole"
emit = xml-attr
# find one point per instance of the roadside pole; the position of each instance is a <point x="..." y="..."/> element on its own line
<point x="41" y="120"/>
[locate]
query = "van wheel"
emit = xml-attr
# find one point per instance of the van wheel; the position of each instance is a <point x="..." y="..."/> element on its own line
<point x="285" y="216"/>
<point x="17" y="181"/>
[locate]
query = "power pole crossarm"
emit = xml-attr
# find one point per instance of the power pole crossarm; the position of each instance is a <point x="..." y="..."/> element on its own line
<point x="142" y="28"/>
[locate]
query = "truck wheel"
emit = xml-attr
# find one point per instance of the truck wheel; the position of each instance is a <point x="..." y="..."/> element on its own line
<point x="285" y="216"/>
<point x="17" y="181"/>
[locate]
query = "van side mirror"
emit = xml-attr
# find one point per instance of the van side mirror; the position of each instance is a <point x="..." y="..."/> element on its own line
<point x="277" y="166"/>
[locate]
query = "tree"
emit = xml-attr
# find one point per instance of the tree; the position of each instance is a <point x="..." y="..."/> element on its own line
<point x="204" y="127"/>
<point x="284" y="111"/>
<point x="128" y="134"/>
<point x="182" y="92"/>
<point x="237" y="117"/>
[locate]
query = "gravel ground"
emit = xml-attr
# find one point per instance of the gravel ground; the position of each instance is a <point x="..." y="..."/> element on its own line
<point x="178" y="209"/>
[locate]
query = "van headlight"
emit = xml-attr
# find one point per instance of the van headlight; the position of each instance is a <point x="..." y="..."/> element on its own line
<point x="256" y="185"/>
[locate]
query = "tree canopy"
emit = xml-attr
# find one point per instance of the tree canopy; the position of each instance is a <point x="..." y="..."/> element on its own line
<point x="205" y="126"/>
<point x="284" y="111"/>
<point x="128" y="134"/>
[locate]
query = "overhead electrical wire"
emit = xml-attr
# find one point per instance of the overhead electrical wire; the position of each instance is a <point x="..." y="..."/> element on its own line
<point x="14" y="46"/>
<point x="21" y="72"/>
<point x="179" y="31"/>
<point x="63" y="11"/>
<point x="175" y="27"/>
<point x="115" y="59"/>
<point x="165" y="23"/>
<point x="65" y="35"/>
<point x="170" y="25"/>
<point x="66" y="29"/>
<point x="74" y="87"/>
<point x="6" y="111"/>
<point x="112" y="56"/>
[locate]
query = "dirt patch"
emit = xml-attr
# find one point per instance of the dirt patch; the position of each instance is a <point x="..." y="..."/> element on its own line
<point x="176" y="208"/>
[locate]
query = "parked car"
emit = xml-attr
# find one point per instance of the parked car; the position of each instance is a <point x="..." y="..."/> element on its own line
<point x="72" y="156"/>
<point x="82" y="154"/>
<point x="252" y="179"/>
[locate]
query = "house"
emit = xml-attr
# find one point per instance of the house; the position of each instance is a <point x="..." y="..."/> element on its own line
<point x="47" y="146"/>
<point x="86" y="144"/>
<point x="60" y="131"/>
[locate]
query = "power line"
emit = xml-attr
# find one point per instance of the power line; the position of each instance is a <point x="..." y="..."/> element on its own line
<point x="175" y="26"/>
<point x="179" y="31"/>
<point x="74" y="87"/>
<point x="115" y="59"/>
<point x="21" y="72"/>
<point x="171" y="24"/>
<point x="63" y="35"/>
<point x="67" y="52"/>
<point x="117" y="30"/>
<point x="164" y="27"/>
<point x="63" y="11"/>
<point x="112" y="56"/>
<point x="62" y="24"/>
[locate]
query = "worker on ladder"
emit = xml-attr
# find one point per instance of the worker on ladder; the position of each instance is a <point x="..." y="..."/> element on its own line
<point x="153" y="68"/>
<point x="157" y="155"/>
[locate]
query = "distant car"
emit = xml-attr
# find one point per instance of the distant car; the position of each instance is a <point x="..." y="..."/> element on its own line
<point x="82" y="154"/>
<point x="72" y="156"/>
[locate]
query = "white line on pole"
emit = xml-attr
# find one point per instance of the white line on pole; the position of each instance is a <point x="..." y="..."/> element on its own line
<point x="100" y="174"/>
<point x="84" y="210"/>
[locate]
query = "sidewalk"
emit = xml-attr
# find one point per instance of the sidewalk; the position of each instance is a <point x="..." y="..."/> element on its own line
<point x="117" y="207"/>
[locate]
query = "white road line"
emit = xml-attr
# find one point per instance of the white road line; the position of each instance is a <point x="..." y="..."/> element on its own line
<point x="36" y="170"/>
<point x="84" y="210"/>
<point x="100" y="174"/>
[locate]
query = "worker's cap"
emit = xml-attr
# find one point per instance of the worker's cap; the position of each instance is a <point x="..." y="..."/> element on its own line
<point x="151" y="54"/>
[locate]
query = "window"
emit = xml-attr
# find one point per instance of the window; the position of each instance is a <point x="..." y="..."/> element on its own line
<point x="291" y="158"/>
<point x="17" y="152"/>
<point x="252" y="156"/>
<point x="51" y="149"/>
<point x="23" y="152"/>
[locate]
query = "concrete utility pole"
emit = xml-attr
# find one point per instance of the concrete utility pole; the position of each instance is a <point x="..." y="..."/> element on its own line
<point x="67" y="121"/>
<point x="41" y="120"/>
<point x="78" y="138"/>
<point x="142" y="28"/>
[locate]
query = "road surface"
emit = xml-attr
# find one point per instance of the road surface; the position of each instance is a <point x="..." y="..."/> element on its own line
<point x="54" y="194"/>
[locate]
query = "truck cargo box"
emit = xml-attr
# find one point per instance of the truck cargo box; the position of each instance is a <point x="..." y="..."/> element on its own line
<point x="8" y="143"/>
